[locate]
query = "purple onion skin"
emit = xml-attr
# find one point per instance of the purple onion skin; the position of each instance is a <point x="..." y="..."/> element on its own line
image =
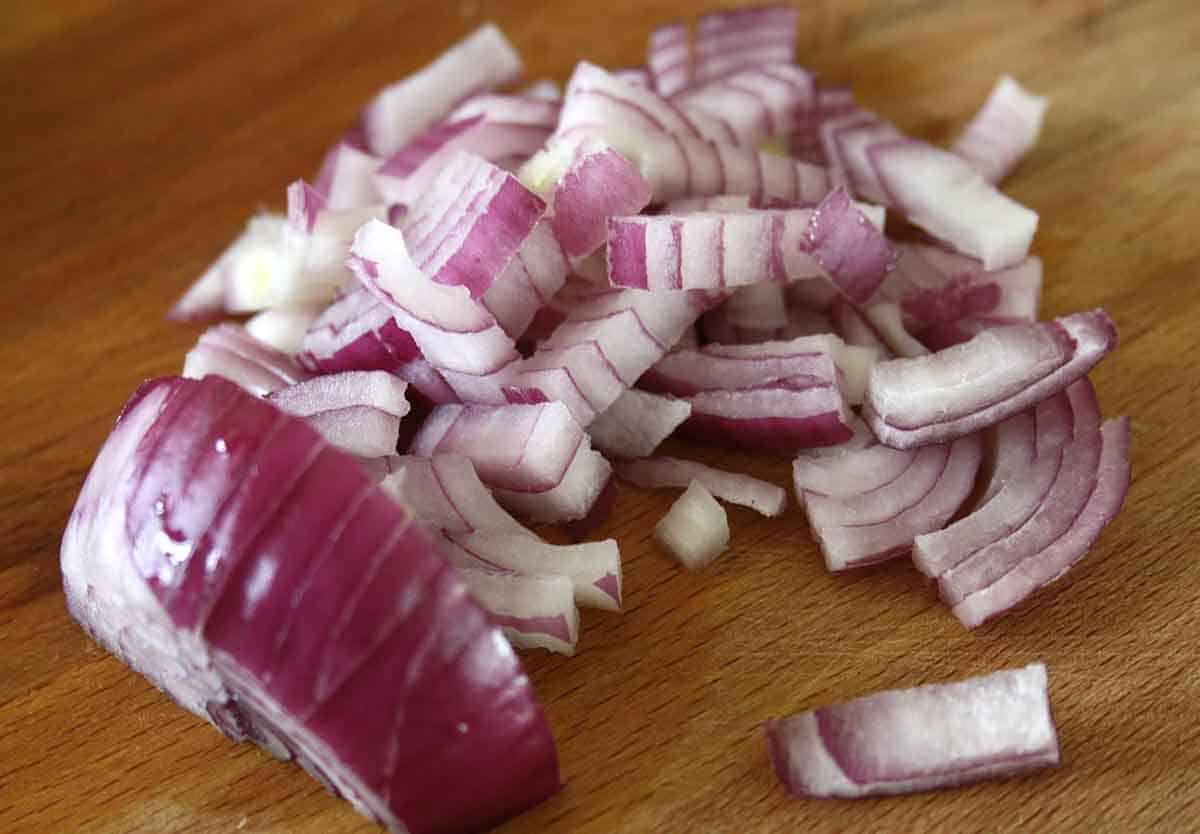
<point x="337" y="630"/>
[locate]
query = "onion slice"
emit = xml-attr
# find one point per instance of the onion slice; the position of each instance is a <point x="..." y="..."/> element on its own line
<point x="653" y="473"/>
<point x="908" y="740"/>
<point x="534" y="612"/>
<point x="695" y="530"/>
<point x="227" y="350"/>
<point x="201" y="551"/>
<point x="1003" y="131"/>
<point x="729" y="41"/>
<point x="634" y="425"/>
<point x="968" y="387"/>
<point x="358" y="411"/>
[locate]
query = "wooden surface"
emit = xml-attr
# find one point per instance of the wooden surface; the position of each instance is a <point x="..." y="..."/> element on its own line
<point x="138" y="136"/>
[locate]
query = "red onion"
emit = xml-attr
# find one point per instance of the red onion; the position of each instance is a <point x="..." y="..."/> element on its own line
<point x="668" y="59"/>
<point x="281" y="329"/>
<point x="445" y="492"/>
<point x="527" y="284"/>
<point x="201" y="551"/>
<point x="636" y="423"/>
<point x="534" y="612"/>
<point x="976" y="384"/>
<point x="347" y="178"/>
<point x="1003" y="130"/>
<point x="734" y="487"/>
<point x="695" y="530"/>
<point x="729" y="41"/>
<point x="756" y="103"/>
<point x="227" y="350"/>
<point x="401" y="111"/>
<point x="787" y="416"/>
<point x="907" y="740"/>
<point x="358" y="411"/>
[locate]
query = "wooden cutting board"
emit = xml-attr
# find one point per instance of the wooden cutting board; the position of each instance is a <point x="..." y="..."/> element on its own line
<point x="138" y="136"/>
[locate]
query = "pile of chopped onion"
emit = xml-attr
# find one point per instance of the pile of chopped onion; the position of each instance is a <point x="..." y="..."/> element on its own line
<point x="487" y="306"/>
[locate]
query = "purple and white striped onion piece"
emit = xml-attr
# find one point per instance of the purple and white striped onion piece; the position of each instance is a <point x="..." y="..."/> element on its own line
<point x="347" y="178"/>
<point x="444" y="491"/>
<point x="696" y="529"/>
<point x="734" y="487"/>
<point x="466" y="226"/>
<point x="920" y="739"/>
<point x="945" y="196"/>
<point x="756" y="103"/>
<point x="741" y="368"/>
<point x="534" y="612"/>
<point x="673" y="153"/>
<point x="357" y="332"/>
<point x="848" y="247"/>
<point x="304" y="205"/>
<point x="855" y="329"/>
<point x="1050" y="563"/>
<point x="976" y="384"/>
<point x="536" y="458"/>
<point x="886" y="320"/>
<point x="228" y="351"/>
<point x="598" y="184"/>
<point x="848" y="140"/>
<point x="282" y="329"/>
<point x="727" y="42"/>
<point x="403" y="110"/>
<point x="1013" y="446"/>
<point x="201" y="552"/>
<point x="831" y="103"/>
<point x="608" y="340"/>
<point x="455" y="333"/>
<point x="635" y="425"/>
<point x="357" y="411"/>
<point x="528" y="283"/>
<point x="1047" y="500"/>
<point x="637" y="76"/>
<point x="1003" y="131"/>
<point x="846" y="475"/>
<point x="880" y="523"/>
<point x="494" y="127"/>
<point x="668" y="59"/>
<point x="778" y="419"/>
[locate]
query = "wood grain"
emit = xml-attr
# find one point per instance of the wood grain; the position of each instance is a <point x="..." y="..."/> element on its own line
<point x="139" y="135"/>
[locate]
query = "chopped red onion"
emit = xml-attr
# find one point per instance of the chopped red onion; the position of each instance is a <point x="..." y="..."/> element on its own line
<point x="455" y="333"/>
<point x="598" y="184"/>
<point x="282" y="329"/>
<point x="1050" y="563"/>
<point x="527" y="284"/>
<point x="741" y="367"/>
<point x="534" y="612"/>
<point x="908" y="740"/>
<point x="734" y="487"/>
<point x="976" y="384"/>
<point x="729" y="41"/>
<point x="445" y="492"/>
<point x="886" y="319"/>
<point x="200" y="552"/>
<point x="881" y="522"/>
<point x="494" y="127"/>
<point x="848" y="247"/>
<point x="358" y="411"/>
<point x="305" y="204"/>
<point x="847" y="140"/>
<point x="1003" y="131"/>
<point x="357" y="332"/>
<point x="347" y="178"/>
<point x="536" y="458"/>
<point x="695" y="530"/>
<point x="401" y="111"/>
<point x="780" y="419"/>
<point x="668" y="59"/>
<point x="944" y="195"/>
<point x="756" y="103"/>
<point x="227" y="350"/>
<point x="636" y="423"/>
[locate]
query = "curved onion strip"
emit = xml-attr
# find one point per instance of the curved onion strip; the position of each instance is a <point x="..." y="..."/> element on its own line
<point x="201" y="551"/>
<point x="907" y="740"/>
<point x="976" y="384"/>
<point x="1003" y="131"/>
<point x="756" y="103"/>
<point x="686" y="372"/>
<point x="729" y="41"/>
<point x="850" y="545"/>
<point x="1013" y="446"/>
<point x="653" y="473"/>
<point x="445" y="492"/>
<point x="845" y="475"/>
<point x="635" y="425"/>
<point x="401" y="111"/>
<point x="696" y="529"/>
<point x="944" y="195"/>
<point x="358" y="411"/>
<point x="227" y="350"/>
<point x="668" y="59"/>
<point x="528" y="283"/>
<point x="773" y="419"/>
<point x="534" y="612"/>
<point x="347" y="178"/>
<point x="1050" y="563"/>
<point x="885" y="501"/>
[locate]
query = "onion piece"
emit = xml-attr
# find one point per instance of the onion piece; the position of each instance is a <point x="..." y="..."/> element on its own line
<point x="455" y="333"/>
<point x="445" y="492"/>
<point x="1032" y="573"/>
<point x="347" y="178"/>
<point x="668" y="59"/>
<point x="358" y="333"/>
<point x="466" y="226"/>
<point x="227" y="350"/>
<point x="536" y="458"/>
<point x="534" y="612"/>
<point x="848" y="247"/>
<point x="778" y="419"/>
<point x="907" y="740"/>
<point x="756" y="103"/>
<point x="653" y="473"/>
<point x="358" y="411"/>
<point x="695" y="530"/>
<point x="976" y="384"/>
<point x="729" y="41"/>
<point x="281" y="329"/>
<point x="527" y="284"/>
<point x="636" y="423"/>
<point x="401" y="111"/>
<point x="942" y="194"/>
<point x="880" y="524"/>
<point x="1003" y="131"/>
<point x="280" y="643"/>
<point x="598" y="184"/>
